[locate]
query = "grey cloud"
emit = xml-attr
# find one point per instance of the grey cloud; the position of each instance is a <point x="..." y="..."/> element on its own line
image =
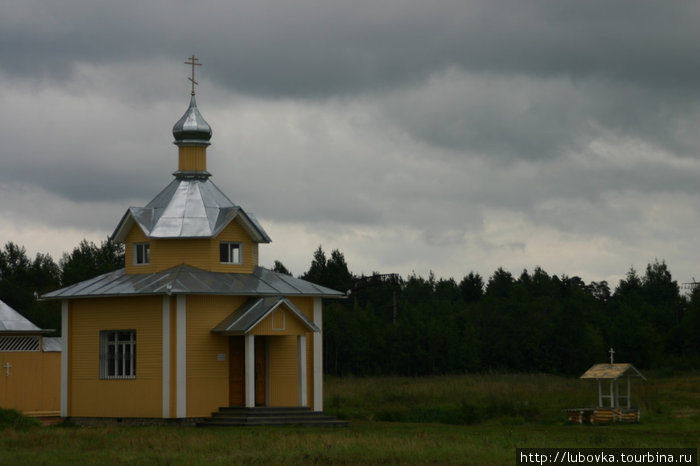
<point x="412" y="131"/>
<point x="518" y="117"/>
<point x="318" y="48"/>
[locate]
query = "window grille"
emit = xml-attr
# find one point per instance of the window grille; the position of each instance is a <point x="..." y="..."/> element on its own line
<point x="117" y="354"/>
<point x="19" y="343"/>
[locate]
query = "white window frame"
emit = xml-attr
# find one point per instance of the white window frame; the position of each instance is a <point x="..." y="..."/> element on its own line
<point x="117" y="354"/>
<point x="230" y="256"/>
<point x="146" y="253"/>
<point x="279" y="319"/>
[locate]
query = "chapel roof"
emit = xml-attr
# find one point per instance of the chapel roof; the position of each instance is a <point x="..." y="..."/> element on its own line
<point x="611" y="371"/>
<point x="189" y="207"/>
<point x="13" y="321"/>
<point x="185" y="279"/>
<point x="192" y="128"/>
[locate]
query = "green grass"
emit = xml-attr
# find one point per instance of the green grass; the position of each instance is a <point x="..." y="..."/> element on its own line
<point x="479" y="419"/>
<point x="501" y="398"/>
<point x="12" y="419"/>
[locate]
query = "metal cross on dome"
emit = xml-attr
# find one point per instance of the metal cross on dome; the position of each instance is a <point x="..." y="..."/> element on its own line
<point x="193" y="61"/>
<point x="612" y="352"/>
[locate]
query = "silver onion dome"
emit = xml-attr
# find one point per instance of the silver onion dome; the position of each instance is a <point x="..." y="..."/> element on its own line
<point x="192" y="128"/>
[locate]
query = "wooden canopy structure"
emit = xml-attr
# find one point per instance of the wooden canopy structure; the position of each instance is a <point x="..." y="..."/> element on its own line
<point x="612" y="373"/>
<point x="613" y="405"/>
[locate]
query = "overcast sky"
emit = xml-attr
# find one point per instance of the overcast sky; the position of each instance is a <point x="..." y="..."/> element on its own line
<point x="451" y="136"/>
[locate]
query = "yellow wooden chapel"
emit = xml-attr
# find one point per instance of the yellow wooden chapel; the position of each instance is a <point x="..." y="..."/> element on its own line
<point x="192" y="323"/>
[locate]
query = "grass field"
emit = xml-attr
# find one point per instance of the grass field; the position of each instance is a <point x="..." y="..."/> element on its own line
<point x="475" y="419"/>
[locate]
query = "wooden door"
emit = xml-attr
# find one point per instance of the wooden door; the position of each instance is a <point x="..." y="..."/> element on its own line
<point x="260" y="371"/>
<point x="236" y="371"/>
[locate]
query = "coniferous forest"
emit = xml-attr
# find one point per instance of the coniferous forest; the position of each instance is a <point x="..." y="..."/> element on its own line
<point x="416" y="326"/>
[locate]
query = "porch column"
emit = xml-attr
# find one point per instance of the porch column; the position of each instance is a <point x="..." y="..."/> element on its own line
<point x="249" y="355"/>
<point x="181" y="356"/>
<point x="318" y="355"/>
<point x="301" y="362"/>
<point x="612" y="394"/>
<point x="64" y="358"/>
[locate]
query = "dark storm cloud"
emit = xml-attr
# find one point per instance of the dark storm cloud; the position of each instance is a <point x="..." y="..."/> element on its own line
<point x="509" y="79"/>
<point x="415" y="135"/>
<point x="316" y="48"/>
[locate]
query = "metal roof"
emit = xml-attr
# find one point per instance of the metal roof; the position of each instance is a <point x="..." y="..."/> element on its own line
<point x="611" y="371"/>
<point x="185" y="279"/>
<point x="191" y="206"/>
<point x="192" y="128"/>
<point x="245" y="318"/>
<point x="51" y="344"/>
<point x="13" y="321"/>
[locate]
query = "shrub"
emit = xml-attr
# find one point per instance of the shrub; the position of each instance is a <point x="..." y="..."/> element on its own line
<point x="13" y="419"/>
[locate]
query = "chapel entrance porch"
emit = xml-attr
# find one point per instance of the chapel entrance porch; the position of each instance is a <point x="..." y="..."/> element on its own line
<point x="237" y="372"/>
<point x="270" y="353"/>
<point x="268" y="371"/>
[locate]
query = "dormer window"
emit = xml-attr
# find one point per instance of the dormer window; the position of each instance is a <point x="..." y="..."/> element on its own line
<point x="142" y="253"/>
<point x="231" y="253"/>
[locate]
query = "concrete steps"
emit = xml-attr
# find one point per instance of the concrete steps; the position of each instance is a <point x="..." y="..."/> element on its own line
<point x="264" y="416"/>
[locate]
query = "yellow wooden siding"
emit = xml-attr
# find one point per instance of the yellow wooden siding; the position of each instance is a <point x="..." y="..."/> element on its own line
<point x="138" y="397"/>
<point x="201" y="253"/>
<point x="304" y="304"/>
<point x="33" y="385"/>
<point x="207" y="376"/>
<point x="292" y="326"/>
<point x="192" y="158"/>
<point x="283" y="383"/>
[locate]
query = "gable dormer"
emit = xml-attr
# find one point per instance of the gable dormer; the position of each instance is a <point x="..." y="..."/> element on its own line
<point x="232" y="250"/>
<point x="191" y="221"/>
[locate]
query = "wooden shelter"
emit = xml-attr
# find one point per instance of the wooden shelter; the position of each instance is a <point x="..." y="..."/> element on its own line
<point x="613" y="405"/>
<point x="30" y="366"/>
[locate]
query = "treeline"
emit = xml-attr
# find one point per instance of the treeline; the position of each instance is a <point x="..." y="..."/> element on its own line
<point x="535" y="322"/>
<point x="416" y="326"/>
<point x="23" y="279"/>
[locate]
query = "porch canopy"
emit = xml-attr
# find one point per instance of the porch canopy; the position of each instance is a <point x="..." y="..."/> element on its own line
<point x="612" y="373"/>
<point x="244" y="319"/>
<point x="270" y="315"/>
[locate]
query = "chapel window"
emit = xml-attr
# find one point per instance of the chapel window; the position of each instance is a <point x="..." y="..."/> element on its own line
<point x="117" y="354"/>
<point x="142" y="253"/>
<point x="231" y="253"/>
